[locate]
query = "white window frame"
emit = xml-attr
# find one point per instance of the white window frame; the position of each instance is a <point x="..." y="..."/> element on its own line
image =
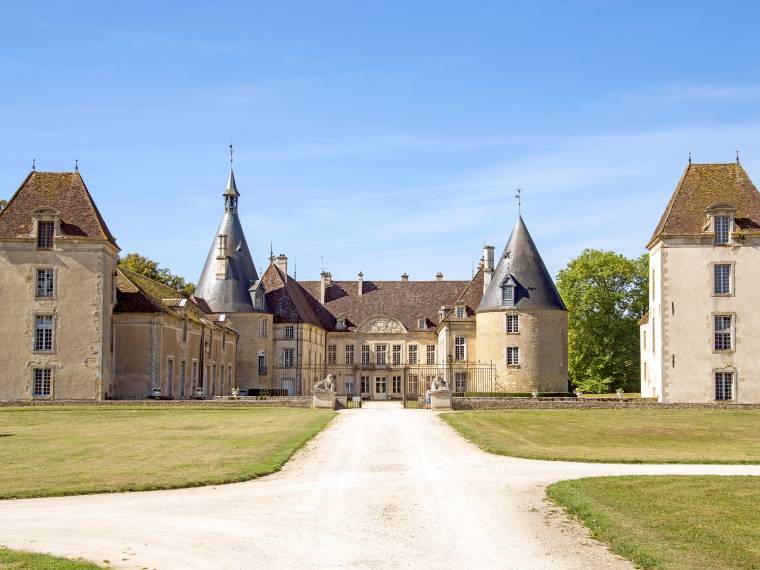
<point x="396" y="384"/>
<point x="508" y="295"/>
<point x="727" y="280"/>
<point x="725" y="385"/>
<point x="460" y="348"/>
<point x="349" y="353"/>
<point x="723" y="334"/>
<point x="365" y="354"/>
<point x="512" y="323"/>
<point x="48" y="292"/>
<point x="364" y="385"/>
<point x="46" y="326"/>
<point x="412" y="354"/>
<point x="430" y="354"/>
<point x="44" y="236"/>
<point x="381" y="354"/>
<point x="722" y="227"/>
<point x="396" y="355"/>
<point x="421" y="323"/>
<point x="288" y="357"/>
<point x="512" y="356"/>
<point x="332" y="354"/>
<point x="262" y="327"/>
<point x="45" y="381"/>
<point x="461" y="311"/>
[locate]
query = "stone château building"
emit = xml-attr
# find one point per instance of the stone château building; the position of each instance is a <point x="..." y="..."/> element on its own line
<point x="78" y="327"/>
<point x="699" y="339"/>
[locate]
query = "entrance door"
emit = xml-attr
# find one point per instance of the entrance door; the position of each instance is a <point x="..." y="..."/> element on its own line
<point x="381" y="387"/>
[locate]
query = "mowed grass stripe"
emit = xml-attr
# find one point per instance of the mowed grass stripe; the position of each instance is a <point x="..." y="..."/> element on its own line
<point x="670" y="522"/>
<point x="89" y="449"/>
<point x="616" y="435"/>
<point x="17" y="560"/>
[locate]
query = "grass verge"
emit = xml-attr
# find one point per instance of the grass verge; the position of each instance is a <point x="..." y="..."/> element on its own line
<point x="78" y="450"/>
<point x="615" y="435"/>
<point x="670" y="522"/>
<point x="18" y="560"/>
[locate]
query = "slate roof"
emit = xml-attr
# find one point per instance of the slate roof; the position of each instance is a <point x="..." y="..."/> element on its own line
<point x="136" y="293"/>
<point x="65" y="192"/>
<point x="228" y="295"/>
<point x="289" y="302"/>
<point x="521" y="261"/>
<point x="702" y="186"/>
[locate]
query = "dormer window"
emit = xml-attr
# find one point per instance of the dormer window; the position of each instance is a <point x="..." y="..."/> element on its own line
<point x="461" y="312"/>
<point x="421" y="324"/>
<point x="259" y="299"/>
<point x="341" y="325"/>
<point x="722" y="229"/>
<point x="45" y="232"/>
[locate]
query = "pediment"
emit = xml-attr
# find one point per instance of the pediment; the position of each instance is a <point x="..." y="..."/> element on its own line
<point x="382" y="325"/>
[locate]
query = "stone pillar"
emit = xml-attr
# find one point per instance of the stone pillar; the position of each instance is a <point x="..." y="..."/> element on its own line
<point x="440" y="399"/>
<point x="323" y="399"/>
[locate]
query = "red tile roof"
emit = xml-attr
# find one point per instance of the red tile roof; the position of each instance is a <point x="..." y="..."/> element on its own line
<point x="702" y="186"/>
<point x="65" y="192"/>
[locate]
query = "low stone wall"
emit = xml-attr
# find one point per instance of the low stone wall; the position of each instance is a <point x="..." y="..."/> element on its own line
<point x="272" y="402"/>
<point x="581" y="403"/>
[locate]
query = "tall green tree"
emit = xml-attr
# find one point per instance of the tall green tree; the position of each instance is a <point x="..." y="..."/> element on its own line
<point x="606" y="294"/>
<point x="145" y="266"/>
<point x="3" y="204"/>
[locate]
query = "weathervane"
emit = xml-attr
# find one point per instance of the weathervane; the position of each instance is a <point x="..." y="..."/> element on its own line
<point x="34" y="164"/>
<point x="689" y="157"/>
<point x="232" y="152"/>
<point x="737" y="156"/>
<point x="518" y="196"/>
<point x="76" y="165"/>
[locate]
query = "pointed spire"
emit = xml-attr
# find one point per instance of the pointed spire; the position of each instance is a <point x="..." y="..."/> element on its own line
<point x="521" y="267"/>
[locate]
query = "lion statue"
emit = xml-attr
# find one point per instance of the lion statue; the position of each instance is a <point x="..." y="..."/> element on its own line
<point x="326" y="384"/>
<point x="439" y="384"/>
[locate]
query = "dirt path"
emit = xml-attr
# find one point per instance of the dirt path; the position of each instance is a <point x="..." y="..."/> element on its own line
<point x="382" y="487"/>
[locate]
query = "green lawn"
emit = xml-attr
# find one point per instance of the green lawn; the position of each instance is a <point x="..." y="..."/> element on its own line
<point x="89" y="449"/>
<point x="16" y="560"/>
<point x="670" y="522"/>
<point x="616" y="435"/>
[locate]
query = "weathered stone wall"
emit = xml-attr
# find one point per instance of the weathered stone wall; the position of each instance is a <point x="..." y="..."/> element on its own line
<point x="542" y="342"/>
<point x="583" y="403"/>
<point x="285" y="402"/>
<point x="250" y="345"/>
<point x="81" y="306"/>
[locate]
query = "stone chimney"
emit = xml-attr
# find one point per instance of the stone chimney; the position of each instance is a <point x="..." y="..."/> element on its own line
<point x="360" y="283"/>
<point x="439" y="276"/>
<point x="281" y="261"/>
<point x="404" y="278"/>
<point x="325" y="281"/>
<point x="221" y="256"/>
<point x="487" y="266"/>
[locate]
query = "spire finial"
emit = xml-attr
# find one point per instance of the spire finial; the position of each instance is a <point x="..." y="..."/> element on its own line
<point x="518" y="196"/>
<point x="737" y="156"/>
<point x="34" y="164"/>
<point x="295" y="268"/>
<point x="689" y="157"/>
<point x="76" y="165"/>
<point x="271" y="252"/>
<point x="232" y="152"/>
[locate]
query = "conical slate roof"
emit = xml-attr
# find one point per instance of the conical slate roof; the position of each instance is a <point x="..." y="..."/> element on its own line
<point x="521" y="262"/>
<point x="229" y="295"/>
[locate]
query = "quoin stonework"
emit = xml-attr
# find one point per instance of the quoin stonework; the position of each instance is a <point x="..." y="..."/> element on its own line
<point x="700" y="339"/>
<point x="78" y="327"/>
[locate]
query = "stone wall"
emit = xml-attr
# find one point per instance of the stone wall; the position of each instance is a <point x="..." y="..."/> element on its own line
<point x="285" y="402"/>
<point x="580" y="404"/>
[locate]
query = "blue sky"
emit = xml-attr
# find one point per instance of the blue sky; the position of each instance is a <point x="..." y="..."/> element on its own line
<point x="386" y="137"/>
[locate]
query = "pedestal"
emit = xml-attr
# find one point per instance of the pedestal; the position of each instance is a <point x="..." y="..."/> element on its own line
<point x="324" y="399"/>
<point x="440" y="400"/>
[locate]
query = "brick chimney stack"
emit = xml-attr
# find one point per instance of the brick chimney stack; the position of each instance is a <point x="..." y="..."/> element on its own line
<point x="439" y="276"/>
<point x="325" y="282"/>
<point x="281" y="261"/>
<point x="487" y="266"/>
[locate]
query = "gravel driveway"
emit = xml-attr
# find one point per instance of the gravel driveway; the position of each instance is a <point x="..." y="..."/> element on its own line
<point x="382" y="487"/>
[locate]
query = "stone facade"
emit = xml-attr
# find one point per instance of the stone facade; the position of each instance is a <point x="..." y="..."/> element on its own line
<point x="697" y="277"/>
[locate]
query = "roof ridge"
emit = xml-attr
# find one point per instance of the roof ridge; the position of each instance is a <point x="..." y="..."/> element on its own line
<point x="669" y="208"/>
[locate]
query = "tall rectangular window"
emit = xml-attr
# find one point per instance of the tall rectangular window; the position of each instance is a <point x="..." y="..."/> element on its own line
<point x="396" y="355"/>
<point x="365" y="354"/>
<point x="722" y="229"/>
<point x="42" y="382"/>
<point x="723" y="332"/>
<point x="262" y="328"/>
<point x="722" y="280"/>
<point x="222" y="370"/>
<point x="508" y="295"/>
<point x="460" y="348"/>
<point x="431" y="354"/>
<point x="169" y="376"/>
<point x="349" y="353"/>
<point x="396" y="384"/>
<point x="513" y="355"/>
<point x="43" y="332"/>
<point x="513" y="324"/>
<point x="461" y="312"/>
<point x="381" y="353"/>
<point x="194" y="375"/>
<point x="290" y="332"/>
<point x="287" y="357"/>
<point x="182" y="372"/>
<point x="44" y="283"/>
<point x="262" y="365"/>
<point x="724" y="386"/>
<point x="412" y="354"/>
<point x="413" y="384"/>
<point x="44" y="235"/>
<point x="365" y="384"/>
<point x="331" y="354"/>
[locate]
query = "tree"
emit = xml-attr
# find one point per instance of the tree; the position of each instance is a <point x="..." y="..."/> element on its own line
<point x="145" y="266"/>
<point x="606" y="294"/>
<point x="3" y="204"/>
